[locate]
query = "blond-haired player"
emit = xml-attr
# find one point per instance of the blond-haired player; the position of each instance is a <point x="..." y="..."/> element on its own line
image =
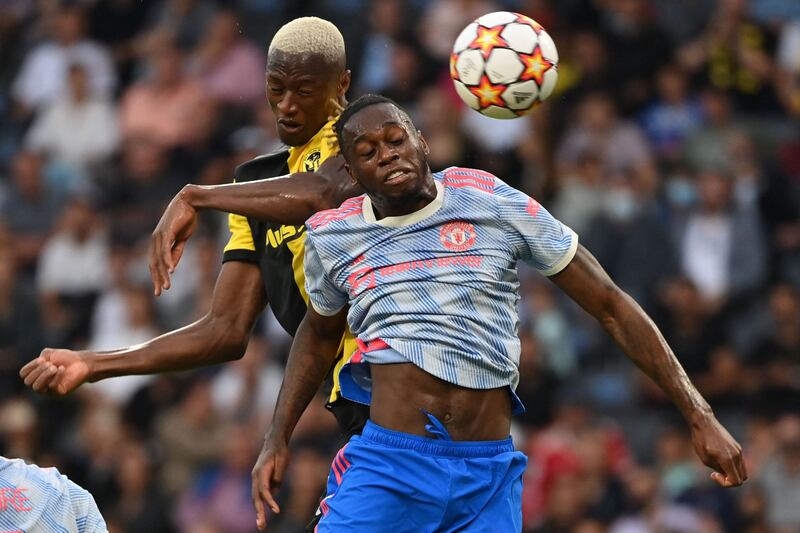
<point x="306" y="82"/>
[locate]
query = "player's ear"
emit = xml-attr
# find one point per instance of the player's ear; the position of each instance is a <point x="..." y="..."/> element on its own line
<point x="424" y="143"/>
<point x="349" y="170"/>
<point x="344" y="85"/>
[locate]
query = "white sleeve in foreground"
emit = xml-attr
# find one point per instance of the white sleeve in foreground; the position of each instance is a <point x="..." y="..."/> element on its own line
<point x="538" y="237"/>
<point x="324" y="296"/>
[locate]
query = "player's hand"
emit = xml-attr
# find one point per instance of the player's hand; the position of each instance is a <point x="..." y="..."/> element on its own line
<point x="57" y="372"/>
<point x="720" y="452"/>
<point x="169" y="240"/>
<point x="267" y="477"/>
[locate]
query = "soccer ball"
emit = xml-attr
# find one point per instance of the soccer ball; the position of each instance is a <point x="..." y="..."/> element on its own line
<point x="504" y="64"/>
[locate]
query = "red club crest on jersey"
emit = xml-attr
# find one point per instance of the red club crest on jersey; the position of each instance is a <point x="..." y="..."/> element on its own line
<point x="457" y="236"/>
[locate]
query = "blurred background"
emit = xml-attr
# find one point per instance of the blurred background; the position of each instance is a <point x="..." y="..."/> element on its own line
<point x="672" y="146"/>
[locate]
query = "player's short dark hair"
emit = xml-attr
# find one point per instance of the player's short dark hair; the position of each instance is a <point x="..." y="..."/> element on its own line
<point x="357" y="105"/>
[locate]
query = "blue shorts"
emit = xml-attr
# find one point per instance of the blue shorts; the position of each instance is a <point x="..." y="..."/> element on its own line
<point x="386" y="480"/>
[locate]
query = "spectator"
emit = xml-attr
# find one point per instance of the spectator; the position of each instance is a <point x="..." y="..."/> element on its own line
<point x="652" y="513"/>
<point x="688" y="324"/>
<point x="632" y="234"/>
<point x="584" y="69"/>
<point x="141" y="506"/>
<point x="221" y="495"/>
<point x="73" y="270"/>
<point x="735" y="54"/>
<point x="43" y="76"/>
<point x="247" y="389"/>
<point x="440" y="118"/>
<point x="79" y="129"/>
<point x="119" y="25"/>
<point x="631" y="31"/>
<point x="620" y="145"/>
<point x="186" y="20"/>
<point x="549" y="325"/>
<point x="551" y="482"/>
<point x="137" y="190"/>
<point x="538" y="385"/>
<point x="387" y="21"/>
<point x="710" y="145"/>
<point x="721" y="247"/>
<point x="161" y="107"/>
<point x="673" y="116"/>
<point x="192" y="437"/>
<point x="779" y="478"/>
<point x="776" y="355"/>
<point x="19" y="428"/>
<point x="788" y="64"/>
<point x="229" y="67"/>
<point x="138" y="325"/>
<point x="576" y="202"/>
<point x="30" y="208"/>
<point x="256" y="139"/>
<point x="20" y="328"/>
<point x="407" y="75"/>
<point x="443" y="20"/>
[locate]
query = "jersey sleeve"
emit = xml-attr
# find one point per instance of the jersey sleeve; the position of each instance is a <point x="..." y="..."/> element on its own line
<point x="324" y="296"/>
<point x="241" y="246"/>
<point x="538" y="237"/>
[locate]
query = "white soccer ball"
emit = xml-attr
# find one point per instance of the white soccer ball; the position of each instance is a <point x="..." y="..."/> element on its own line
<point x="504" y="64"/>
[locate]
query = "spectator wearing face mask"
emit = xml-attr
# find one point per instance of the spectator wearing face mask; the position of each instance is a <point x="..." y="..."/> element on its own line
<point x="721" y="247"/>
<point x="628" y="232"/>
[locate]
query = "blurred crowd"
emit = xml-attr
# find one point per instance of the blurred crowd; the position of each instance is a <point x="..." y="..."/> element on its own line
<point x="671" y="145"/>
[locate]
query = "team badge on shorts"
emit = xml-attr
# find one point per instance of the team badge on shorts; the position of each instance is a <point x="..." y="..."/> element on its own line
<point x="457" y="236"/>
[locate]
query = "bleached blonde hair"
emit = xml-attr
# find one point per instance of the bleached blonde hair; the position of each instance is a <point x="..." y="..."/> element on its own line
<point x="310" y="35"/>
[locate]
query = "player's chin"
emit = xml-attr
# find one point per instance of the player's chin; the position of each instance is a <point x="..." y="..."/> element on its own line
<point x="407" y="186"/>
<point x="294" y="136"/>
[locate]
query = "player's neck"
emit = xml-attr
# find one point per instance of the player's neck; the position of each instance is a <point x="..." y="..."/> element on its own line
<point x="396" y="207"/>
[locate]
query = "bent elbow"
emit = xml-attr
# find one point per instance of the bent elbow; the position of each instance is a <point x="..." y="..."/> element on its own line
<point x="229" y="341"/>
<point x="235" y="343"/>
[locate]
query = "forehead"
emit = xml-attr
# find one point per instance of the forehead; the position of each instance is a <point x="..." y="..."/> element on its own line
<point x="314" y="67"/>
<point x="374" y="118"/>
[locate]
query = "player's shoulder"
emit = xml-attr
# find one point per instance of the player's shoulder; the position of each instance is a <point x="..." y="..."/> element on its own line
<point x="471" y="180"/>
<point x="263" y="166"/>
<point x="331" y="218"/>
<point x="18" y="469"/>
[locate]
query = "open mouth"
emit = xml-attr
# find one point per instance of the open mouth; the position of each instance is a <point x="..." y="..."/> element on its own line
<point x="397" y="176"/>
<point x="290" y="126"/>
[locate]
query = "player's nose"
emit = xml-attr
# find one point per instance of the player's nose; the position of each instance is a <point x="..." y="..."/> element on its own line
<point x="287" y="105"/>
<point x="387" y="154"/>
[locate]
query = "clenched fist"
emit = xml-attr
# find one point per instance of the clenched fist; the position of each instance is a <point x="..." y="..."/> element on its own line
<point x="57" y="371"/>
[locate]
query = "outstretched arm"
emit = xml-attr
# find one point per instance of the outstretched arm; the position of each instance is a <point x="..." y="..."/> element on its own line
<point x="585" y="281"/>
<point x="221" y="335"/>
<point x="289" y="199"/>
<point x="312" y="356"/>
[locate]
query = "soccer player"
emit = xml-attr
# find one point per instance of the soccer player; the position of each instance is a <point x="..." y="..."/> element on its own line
<point x="42" y="499"/>
<point x="423" y="269"/>
<point x="307" y="80"/>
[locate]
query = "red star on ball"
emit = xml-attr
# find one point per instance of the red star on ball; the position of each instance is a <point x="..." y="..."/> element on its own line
<point x="535" y="66"/>
<point x="488" y="94"/>
<point x="453" y="71"/>
<point x="527" y="20"/>
<point x="487" y="39"/>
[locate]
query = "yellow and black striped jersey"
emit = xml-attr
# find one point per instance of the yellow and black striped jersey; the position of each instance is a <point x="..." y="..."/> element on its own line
<point x="279" y="248"/>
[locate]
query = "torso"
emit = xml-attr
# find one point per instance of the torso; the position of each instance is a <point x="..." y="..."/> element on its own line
<point x="401" y="392"/>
